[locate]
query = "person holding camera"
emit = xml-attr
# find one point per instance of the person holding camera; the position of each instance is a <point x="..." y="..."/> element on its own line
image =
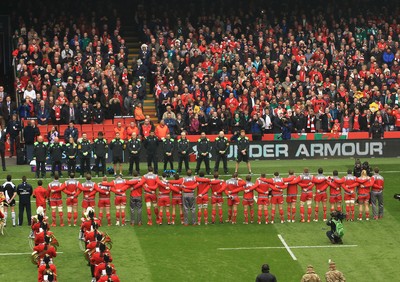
<point x="336" y="233"/>
<point x="257" y="125"/>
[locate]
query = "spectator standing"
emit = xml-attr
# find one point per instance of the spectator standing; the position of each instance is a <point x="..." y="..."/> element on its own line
<point x="40" y="155"/>
<point x="334" y="275"/>
<point x="376" y="131"/>
<point x="310" y="275"/>
<point x="31" y="131"/>
<point x="265" y="275"/>
<point x="43" y="113"/>
<point x="2" y="147"/>
<point x="9" y="108"/>
<point x="24" y="191"/>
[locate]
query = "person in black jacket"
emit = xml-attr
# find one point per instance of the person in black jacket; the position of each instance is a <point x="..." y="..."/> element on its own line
<point x="71" y="131"/>
<point x="221" y="150"/>
<point x="2" y="147"/>
<point x="40" y="155"/>
<point x="203" y="150"/>
<point x="85" y="114"/>
<point x="71" y="151"/>
<point x="100" y="152"/>
<point x="24" y="191"/>
<point x="183" y="152"/>
<point x="243" y="145"/>
<point x="13" y="128"/>
<point x="265" y="276"/>
<point x="151" y="145"/>
<point x="376" y="131"/>
<point x="117" y="147"/>
<point x="168" y="145"/>
<point x="31" y="131"/>
<point x="134" y="145"/>
<point x="56" y="151"/>
<point x="84" y="149"/>
<point x="98" y="114"/>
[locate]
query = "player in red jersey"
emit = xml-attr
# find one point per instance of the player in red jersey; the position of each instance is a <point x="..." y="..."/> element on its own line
<point x="349" y="186"/>
<point x="149" y="184"/>
<point x="89" y="189"/>
<point x="277" y="186"/>
<point x="42" y="249"/>
<point x="377" y="194"/>
<point x="176" y="186"/>
<point x="263" y="190"/>
<point x="47" y="269"/>
<point x="100" y="269"/>
<point x="119" y="187"/>
<point x="54" y="190"/>
<point x="306" y="185"/>
<point x="41" y="194"/>
<point x="320" y="182"/>
<point x="233" y="186"/>
<point x="217" y="187"/>
<point x="135" y="200"/>
<point x="364" y="189"/>
<point x="164" y="200"/>
<point x="104" y="200"/>
<point x="71" y="187"/>
<point x="248" y="200"/>
<point x="291" y="195"/>
<point x="335" y="194"/>
<point x="110" y="276"/>
<point x="202" y="197"/>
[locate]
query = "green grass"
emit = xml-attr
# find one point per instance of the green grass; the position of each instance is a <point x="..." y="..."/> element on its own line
<point x="178" y="253"/>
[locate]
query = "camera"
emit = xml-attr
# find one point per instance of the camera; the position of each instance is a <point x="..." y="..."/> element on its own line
<point x="397" y="196"/>
<point x="338" y="215"/>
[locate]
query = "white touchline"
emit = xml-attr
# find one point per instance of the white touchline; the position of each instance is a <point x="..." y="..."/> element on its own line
<point x="20" y="254"/>
<point x="287" y="247"/>
<point x="293" y="247"/>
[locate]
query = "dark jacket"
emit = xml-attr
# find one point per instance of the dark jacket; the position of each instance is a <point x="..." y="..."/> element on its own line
<point x="168" y="145"/>
<point x="84" y="148"/>
<point x="151" y="144"/>
<point x="203" y="145"/>
<point x="30" y="134"/>
<point x="183" y="146"/>
<point x="24" y="191"/>
<point x="13" y="128"/>
<point x="2" y="140"/>
<point x="71" y="132"/>
<point x="266" y="277"/>
<point x="56" y="150"/>
<point x="40" y="151"/>
<point x="71" y="150"/>
<point x="134" y="145"/>
<point x="117" y="146"/>
<point x="221" y="144"/>
<point x="100" y="147"/>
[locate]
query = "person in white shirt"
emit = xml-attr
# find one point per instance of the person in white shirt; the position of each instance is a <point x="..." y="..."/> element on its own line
<point x="30" y="92"/>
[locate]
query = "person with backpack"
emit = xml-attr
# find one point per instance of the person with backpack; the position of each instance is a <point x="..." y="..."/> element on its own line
<point x="336" y="233"/>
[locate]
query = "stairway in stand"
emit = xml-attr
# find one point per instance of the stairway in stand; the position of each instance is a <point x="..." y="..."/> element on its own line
<point x="133" y="44"/>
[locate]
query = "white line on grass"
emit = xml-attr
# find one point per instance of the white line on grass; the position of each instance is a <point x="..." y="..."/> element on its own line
<point x="292" y="247"/>
<point x="287" y="247"/>
<point x="20" y="254"/>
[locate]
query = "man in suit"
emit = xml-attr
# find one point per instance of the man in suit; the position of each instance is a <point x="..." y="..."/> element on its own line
<point x="2" y="147"/>
<point x="13" y="128"/>
<point x="8" y="108"/>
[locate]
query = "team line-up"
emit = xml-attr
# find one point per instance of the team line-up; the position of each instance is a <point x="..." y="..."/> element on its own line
<point x="185" y="192"/>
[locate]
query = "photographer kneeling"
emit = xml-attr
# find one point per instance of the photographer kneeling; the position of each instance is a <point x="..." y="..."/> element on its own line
<point x="337" y="231"/>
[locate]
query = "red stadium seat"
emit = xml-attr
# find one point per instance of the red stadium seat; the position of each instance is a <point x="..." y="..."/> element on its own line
<point x="107" y="121"/>
<point x="116" y="120"/>
<point x="108" y="127"/>
<point x="43" y="129"/>
<point x="87" y="128"/>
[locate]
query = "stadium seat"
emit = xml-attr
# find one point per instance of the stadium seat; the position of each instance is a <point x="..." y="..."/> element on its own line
<point x="87" y="128"/>
<point x="107" y="121"/>
<point x="43" y="129"/>
<point x="108" y="127"/>
<point x="116" y="120"/>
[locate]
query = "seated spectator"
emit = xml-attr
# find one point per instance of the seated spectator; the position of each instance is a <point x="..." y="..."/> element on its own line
<point x="53" y="133"/>
<point x="121" y="130"/>
<point x="138" y="113"/>
<point x="132" y="128"/>
<point x="161" y="130"/>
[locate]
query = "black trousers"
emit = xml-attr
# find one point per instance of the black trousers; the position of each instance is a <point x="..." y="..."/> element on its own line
<point x="40" y="168"/>
<point x="22" y="207"/>
<point x="53" y="167"/>
<point x="134" y="159"/>
<point x="224" y="159"/>
<point x="152" y="159"/>
<point x="206" y="161"/>
<point x="97" y="162"/>
<point x="71" y="165"/>
<point x="3" y="161"/>
<point x="170" y="160"/>
<point x="183" y="158"/>
<point x="85" y="165"/>
<point x="334" y="239"/>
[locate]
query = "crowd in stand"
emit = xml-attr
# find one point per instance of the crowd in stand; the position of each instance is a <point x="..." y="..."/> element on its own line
<point x="306" y="68"/>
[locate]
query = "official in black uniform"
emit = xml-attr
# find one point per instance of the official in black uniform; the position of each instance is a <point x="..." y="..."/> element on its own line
<point x="56" y="151"/>
<point x="84" y="149"/>
<point x="203" y="150"/>
<point x="117" y="147"/>
<point x="71" y="151"/>
<point x="2" y="147"/>
<point x="100" y="152"/>
<point x="134" y="145"/>
<point x="168" y="145"/>
<point x="243" y="145"/>
<point x="40" y="155"/>
<point x="151" y="145"/>
<point x="183" y="148"/>
<point x="24" y="191"/>
<point x="221" y="150"/>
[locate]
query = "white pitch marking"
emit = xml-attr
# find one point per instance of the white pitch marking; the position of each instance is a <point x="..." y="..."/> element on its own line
<point x="20" y="254"/>
<point x="293" y="247"/>
<point x="287" y="247"/>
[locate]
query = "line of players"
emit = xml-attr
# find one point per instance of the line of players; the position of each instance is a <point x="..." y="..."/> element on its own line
<point x="185" y="192"/>
<point x="97" y="251"/>
<point x="45" y="247"/>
